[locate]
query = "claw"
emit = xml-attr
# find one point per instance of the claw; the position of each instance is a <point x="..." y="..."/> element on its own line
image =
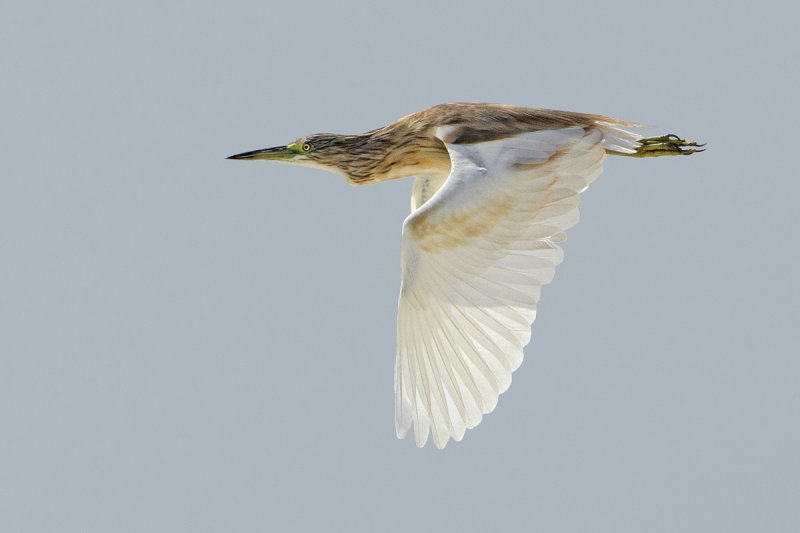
<point x="669" y="144"/>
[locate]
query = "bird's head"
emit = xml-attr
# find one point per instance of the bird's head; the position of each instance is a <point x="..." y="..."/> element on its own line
<point x="336" y="153"/>
<point x="378" y="155"/>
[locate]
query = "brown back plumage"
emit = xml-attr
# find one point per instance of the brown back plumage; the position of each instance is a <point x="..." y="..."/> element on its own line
<point x="409" y="146"/>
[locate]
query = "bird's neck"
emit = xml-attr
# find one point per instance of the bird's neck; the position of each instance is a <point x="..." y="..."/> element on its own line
<point x="391" y="152"/>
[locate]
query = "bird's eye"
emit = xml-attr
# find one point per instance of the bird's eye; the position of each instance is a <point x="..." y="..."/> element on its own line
<point x="306" y="147"/>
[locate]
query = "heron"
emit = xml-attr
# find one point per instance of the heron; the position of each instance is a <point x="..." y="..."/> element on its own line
<point x="495" y="189"/>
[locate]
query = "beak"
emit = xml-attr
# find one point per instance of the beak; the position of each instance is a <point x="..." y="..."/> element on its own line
<point x="278" y="153"/>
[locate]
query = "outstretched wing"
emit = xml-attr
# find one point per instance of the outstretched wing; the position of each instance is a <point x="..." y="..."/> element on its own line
<point x="475" y="257"/>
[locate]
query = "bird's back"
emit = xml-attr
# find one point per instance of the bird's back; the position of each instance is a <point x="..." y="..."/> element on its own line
<point x="481" y="122"/>
<point x="413" y="145"/>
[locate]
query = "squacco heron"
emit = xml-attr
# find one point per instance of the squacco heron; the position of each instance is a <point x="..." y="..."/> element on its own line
<point x="495" y="189"/>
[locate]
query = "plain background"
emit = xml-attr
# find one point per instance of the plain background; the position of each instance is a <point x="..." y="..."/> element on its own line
<point x="195" y="344"/>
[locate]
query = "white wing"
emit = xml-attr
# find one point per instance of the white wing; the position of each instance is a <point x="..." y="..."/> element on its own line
<point x="475" y="257"/>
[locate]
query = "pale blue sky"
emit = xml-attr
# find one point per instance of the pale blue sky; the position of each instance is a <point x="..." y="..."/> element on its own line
<point x="194" y="344"/>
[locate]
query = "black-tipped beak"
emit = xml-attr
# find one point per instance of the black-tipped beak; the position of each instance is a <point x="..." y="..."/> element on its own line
<point x="278" y="153"/>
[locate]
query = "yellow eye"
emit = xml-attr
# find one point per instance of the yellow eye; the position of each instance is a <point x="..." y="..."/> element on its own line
<point x="306" y="147"/>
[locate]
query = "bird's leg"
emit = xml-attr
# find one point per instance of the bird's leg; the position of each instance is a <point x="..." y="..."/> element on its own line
<point x="664" y="145"/>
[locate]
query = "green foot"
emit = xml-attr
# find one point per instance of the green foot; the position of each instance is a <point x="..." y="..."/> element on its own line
<point x="666" y="145"/>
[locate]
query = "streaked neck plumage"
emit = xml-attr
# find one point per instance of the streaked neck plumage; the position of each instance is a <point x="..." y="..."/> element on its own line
<point x="388" y="153"/>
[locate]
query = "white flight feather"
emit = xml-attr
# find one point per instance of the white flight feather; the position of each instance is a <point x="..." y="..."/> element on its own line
<point x="470" y="289"/>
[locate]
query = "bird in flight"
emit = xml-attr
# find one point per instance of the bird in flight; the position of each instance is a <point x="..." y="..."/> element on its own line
<point x="495" y="189"/>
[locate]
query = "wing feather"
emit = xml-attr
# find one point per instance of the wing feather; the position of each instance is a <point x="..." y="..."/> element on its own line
<point x="476" y="252"/>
